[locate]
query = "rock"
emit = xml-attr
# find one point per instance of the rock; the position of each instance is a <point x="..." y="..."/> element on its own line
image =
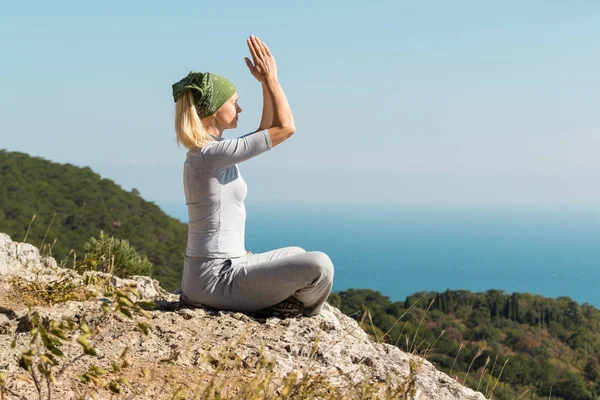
<point x="194" y="340"/>
<point x="24" y="260"/>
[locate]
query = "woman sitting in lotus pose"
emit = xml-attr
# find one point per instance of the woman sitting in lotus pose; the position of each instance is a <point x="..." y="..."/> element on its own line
<point x="218" y="271"/>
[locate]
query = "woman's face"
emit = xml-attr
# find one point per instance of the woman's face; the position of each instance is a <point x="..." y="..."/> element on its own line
<point x="226" y="116"/>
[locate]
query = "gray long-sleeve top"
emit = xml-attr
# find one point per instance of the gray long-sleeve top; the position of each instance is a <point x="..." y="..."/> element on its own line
<point x="215" y="193"/>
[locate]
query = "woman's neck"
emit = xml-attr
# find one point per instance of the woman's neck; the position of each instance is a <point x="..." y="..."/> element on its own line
<point x="211" y="126"/>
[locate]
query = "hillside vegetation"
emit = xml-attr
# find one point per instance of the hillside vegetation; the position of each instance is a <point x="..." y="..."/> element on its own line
<point x="551" y="347"/>
<point x="75" y="204"/>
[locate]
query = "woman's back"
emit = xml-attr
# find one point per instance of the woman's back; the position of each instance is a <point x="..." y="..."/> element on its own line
<point x="215" y="192"/>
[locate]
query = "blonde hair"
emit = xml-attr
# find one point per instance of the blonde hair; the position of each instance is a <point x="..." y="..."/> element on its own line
<point x="190" y="130"/>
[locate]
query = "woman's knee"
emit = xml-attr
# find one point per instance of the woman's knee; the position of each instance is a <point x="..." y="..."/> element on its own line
<point x="296" y="249"/>
<point x="323" y="264"/>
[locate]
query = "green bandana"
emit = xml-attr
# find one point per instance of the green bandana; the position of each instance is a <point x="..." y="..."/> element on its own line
<point x="210" y="91"/>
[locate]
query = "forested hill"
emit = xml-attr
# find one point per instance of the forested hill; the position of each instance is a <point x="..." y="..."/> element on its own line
<point x="85" y="204"/>
<point x="551" y="346"/>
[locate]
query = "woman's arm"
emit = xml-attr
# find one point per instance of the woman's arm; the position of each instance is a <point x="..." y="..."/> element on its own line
<point x="283" y="121"/>
<point x="224" y="153"/>
<point x="265" y="70"/>
<point x="267" y="113"/>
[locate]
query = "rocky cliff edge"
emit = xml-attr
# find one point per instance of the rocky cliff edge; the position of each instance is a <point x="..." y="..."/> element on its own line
<point x="172" y="350"/>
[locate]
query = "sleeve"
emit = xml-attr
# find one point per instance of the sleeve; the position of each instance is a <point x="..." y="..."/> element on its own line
<point x="227" y="152"/>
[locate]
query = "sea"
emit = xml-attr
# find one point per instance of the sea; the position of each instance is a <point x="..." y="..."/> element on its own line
<point x="398" y="250"/>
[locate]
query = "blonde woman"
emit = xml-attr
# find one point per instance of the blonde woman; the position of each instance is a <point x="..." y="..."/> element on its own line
<point x="218" y="271"/>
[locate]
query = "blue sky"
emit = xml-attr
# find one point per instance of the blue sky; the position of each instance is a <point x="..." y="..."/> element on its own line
<point x="395" y="102"/>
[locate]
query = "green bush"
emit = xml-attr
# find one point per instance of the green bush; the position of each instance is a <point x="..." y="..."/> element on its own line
<point x="116" y="256"/>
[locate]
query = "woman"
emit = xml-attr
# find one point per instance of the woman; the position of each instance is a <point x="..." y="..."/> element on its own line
<point x="218" y="271"/>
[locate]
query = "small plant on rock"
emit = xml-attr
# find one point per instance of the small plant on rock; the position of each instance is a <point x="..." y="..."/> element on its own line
<point x="116" y="256"/>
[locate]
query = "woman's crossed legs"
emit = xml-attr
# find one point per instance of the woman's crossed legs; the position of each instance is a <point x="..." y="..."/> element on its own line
<point x="257" y="281"/>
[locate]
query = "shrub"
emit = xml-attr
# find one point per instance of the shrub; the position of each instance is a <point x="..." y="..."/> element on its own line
<point x="116" y="256"/>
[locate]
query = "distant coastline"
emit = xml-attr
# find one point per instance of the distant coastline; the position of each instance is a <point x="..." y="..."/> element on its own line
<point x="399" y="250"/>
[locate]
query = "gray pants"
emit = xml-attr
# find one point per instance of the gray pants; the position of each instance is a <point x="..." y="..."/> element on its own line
<point x="257" y="281"/>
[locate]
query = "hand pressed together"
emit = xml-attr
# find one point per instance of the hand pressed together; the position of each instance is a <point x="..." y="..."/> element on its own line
<point x="264" y="66"/>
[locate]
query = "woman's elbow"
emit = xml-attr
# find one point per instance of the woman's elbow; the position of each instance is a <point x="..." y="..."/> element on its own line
<point x="287" y="129"/>
<point x="291" y="129"/>
<point x="290" y="126"/>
